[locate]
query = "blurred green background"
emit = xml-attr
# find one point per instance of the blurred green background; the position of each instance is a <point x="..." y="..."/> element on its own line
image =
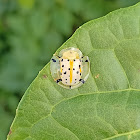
<point x="30" y="32"/>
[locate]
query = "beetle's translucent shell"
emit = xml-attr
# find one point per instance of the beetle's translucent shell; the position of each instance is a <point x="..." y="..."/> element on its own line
<point x="70" y="69"/>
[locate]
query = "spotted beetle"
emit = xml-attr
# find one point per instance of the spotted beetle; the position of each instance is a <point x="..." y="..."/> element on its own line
<point x="70" y="69"/>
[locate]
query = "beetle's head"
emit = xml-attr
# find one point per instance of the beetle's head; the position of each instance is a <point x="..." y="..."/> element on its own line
<point x="70" y="54"/>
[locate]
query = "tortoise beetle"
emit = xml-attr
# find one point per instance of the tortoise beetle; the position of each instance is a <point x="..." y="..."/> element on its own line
<point x="70" y="69"/>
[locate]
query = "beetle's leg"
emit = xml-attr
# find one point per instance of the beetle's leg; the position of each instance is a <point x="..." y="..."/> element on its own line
<point x="55" y="67"/>
<point x="55" y="58"/>
<point x="58" y="80"/>
<point x="81" y="80"/>
<point x="85" y="67"/>
<point x="85" y="59"/>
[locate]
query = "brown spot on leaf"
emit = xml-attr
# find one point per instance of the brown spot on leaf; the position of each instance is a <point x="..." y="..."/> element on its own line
<point x="10" y="132"/>
<point x="44" y="76"/>
<point x="97" y="76"/>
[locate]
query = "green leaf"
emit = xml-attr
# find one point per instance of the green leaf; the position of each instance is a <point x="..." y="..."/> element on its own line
<point x="107" y="106"/>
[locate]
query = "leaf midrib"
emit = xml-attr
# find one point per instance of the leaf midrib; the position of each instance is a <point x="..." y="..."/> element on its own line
<point x="123" y="134"/>
<point x="66" y="99"/>
<point x="104" y="92"/>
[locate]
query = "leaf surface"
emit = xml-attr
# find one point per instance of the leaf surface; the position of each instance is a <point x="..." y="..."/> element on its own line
<point x="107" y="106"/>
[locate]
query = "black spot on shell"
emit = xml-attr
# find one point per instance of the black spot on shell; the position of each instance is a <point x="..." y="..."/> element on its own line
<point x="80" y="73"/>
<point x="68" y="60"/>
<point x="61" y="60"/>
<point x="73" y="68"/>
<point x="65" y="72"/>
<point x="68" y="68"/>
<point x="77" y="72"/>
<point x="65" y="79"/>
<point x="62" y="65"/>
<point x="79" y="66"/>
<point x="70" y="86"/>
<point x="75" y="79"/>
<point x="74" y="60"/>
<point x="86" y="61"/>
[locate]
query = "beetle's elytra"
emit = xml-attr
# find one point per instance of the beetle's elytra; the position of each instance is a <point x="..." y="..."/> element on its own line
<point x="70" y="69"/>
